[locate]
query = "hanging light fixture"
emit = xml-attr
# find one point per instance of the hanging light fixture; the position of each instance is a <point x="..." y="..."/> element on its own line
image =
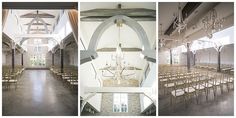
<point x="116" y="71"/>
<point x="212" y="23"/>
<point x="179" y="22"/>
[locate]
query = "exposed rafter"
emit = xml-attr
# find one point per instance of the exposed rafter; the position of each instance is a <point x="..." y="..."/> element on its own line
<point x="41" y="15"/>
<point x="37" y="24"/>
<point x="126" y="68"/>
<point x="102" y="18"/>
<point x="123" y="49"/>
<point x="38" y="30"/>
<point x="119" y="11"/>
<point x="139" y="14"/>
<point x="40" y="5"/>
<point x="186" y="11"/>
<point x="37" y="36"/>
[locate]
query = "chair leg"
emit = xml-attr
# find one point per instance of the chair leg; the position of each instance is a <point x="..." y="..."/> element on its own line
<point x="15" y="86"/>
<point x="214" y="91"/>
<point x="185" y="101"/>
<point x="196" y="97"/>
<point x="174" y="102"/>
<point x="207" y="91"/>
<point x="228" y="87"/>
<point x="221" y="88"/>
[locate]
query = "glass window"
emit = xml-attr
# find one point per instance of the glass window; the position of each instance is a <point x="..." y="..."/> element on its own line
<point x="176" y="53"/>
<point x="37" y="41"/>
<point x="38" y="60"/>
<point x="120" y="102"/>
<point x="223" y="37"/>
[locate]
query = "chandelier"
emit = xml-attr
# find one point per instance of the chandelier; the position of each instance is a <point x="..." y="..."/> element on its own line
<point x="179" y="22"/>
<point x="116" y="71"/>
<point x="212" y="23"/>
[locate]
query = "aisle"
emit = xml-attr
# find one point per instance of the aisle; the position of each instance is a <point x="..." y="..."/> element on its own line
<point x="38" y="93"/>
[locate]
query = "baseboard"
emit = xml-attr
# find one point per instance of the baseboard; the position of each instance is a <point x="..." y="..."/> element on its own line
<point x="37" y="68"/>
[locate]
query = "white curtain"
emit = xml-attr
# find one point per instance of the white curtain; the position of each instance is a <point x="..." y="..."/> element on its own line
<point x="4" y="17"/>
<point x="73" y="18"/>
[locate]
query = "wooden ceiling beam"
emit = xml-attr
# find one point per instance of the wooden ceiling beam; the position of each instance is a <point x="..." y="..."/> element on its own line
<point x="40" y="5"/>
<point x="123" y="49"/>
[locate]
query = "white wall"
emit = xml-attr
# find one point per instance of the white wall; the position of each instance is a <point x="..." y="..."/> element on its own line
<point x="164" y="57"/>
<point x="210" y="55"/>
<point x="4" y="58"/>
<point x="150" y="81"/>
<point x="17" y="58"/>
<point x="71" y="55"/>
<point x="87" y="78"/>
<point x="12" y="27"/>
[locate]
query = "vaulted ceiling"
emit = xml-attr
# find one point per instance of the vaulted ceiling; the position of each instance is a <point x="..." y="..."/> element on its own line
<point x="92" y="17"/>
<point x="26" y="16"/>
<point x="196" y="12"/>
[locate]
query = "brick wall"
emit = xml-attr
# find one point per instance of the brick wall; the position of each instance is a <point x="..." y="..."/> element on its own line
<point x="133" y="99"/>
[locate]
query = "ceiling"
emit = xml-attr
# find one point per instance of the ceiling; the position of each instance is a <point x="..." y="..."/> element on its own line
<point x="26" y="16"/>
<point x="111" y="5"/>
<point x="166" y="18"/>
<point x="194" y="26"/>
<point x="109" y="38"/>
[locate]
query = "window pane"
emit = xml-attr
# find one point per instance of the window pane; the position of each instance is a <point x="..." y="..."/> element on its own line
<point x="120" y="102"/>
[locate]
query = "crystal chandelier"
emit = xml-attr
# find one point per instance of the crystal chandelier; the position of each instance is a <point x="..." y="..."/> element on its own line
<point x="179" y="22"/>
<point x="212" y="23"/>
<point x="116" y="71"/>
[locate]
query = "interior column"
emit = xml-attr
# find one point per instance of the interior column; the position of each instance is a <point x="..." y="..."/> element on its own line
<point x="218" y="64"/>
<point x="13" y="59"/>
<point x="22" y="59"/>
<point x="62" y="56"/>
<point x="52" y="59"/>
<point x="188" y="57"/>
<point x="194" y="57"/>
<point x="218" y="49"/>
<point x="170" y="56"/>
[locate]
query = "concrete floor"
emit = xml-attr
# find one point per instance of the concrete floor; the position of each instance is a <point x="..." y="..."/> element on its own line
<point x="39" y="94"/>
<point x="222" y="105"/>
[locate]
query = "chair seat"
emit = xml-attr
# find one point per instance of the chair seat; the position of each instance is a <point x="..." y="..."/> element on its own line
<point x="199" y="87"/>
<point x="163" y="80"/>
<point x="178" y="92"/>
<point x="216" y="83"/>
<point x="180" y="83"/>
<point x="66" y="77"/>
<point x="4" y="81"/>
<point x="224" y="81"/>
<point x="208" y="85"/>
<point x="189" y="89"/>
<point x="72" y="80"/>
<point x="228" y="80"/>
<point x="173" y="78"/>
<point x="74" y="83"/>
<point x="12" y="80"/>
<point x="169" y="85"/>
